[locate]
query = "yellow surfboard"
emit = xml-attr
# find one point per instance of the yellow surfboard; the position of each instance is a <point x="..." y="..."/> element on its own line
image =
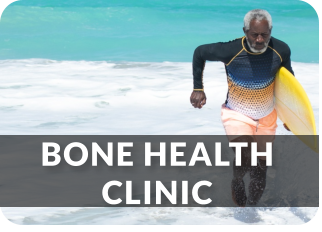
<point x="294" y="108"/>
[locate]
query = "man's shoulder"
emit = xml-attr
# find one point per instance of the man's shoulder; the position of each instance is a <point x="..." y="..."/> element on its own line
<point x="279" y="45"/>
<point x="235" y="41"/>
<point x="231" y="43"/>
<point x="232" y="46"/>
<point x="230" y="49"/>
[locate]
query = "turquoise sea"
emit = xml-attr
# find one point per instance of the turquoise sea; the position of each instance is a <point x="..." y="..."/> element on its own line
<point x="144" y="30"/>
<point x="123" y="67"/>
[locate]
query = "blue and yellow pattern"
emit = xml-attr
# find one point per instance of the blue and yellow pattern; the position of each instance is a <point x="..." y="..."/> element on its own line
<point x="251" y="82"/>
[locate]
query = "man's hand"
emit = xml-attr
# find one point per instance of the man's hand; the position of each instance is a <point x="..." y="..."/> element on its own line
<point x="286" y="127"/>
<point x="198" y="99"/>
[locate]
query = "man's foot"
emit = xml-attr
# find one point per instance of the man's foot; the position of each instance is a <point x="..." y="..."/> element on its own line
<point x="238" y="192"/>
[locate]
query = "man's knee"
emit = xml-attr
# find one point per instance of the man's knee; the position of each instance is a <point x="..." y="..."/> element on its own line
<point x="245" y="151"/>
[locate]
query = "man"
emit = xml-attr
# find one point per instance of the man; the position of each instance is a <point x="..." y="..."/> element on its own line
<point x="251" y="63"/>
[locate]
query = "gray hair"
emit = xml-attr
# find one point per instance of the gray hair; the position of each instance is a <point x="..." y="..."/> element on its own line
<point x="259" y="15"/>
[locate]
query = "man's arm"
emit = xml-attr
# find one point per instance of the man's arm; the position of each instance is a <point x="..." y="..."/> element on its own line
<point x="212" y="52"/>
<point x="284" y="51"/>
<point x="287" y="61"/>
<point x="287" y="64"/>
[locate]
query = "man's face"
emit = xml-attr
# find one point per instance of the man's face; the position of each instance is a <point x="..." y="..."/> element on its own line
<point x="258" y="35"/>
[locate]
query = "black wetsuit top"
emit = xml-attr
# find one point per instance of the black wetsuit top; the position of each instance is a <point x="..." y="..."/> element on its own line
<point x="250" y="75"/>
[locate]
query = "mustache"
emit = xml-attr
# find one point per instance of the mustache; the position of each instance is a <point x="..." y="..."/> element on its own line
<point x="264" y="43"/>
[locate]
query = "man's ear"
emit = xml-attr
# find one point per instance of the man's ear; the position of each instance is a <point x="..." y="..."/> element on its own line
<point x="244" y="29"/>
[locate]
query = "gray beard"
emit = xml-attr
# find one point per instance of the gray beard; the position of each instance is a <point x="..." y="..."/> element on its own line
<point x="255" y="50"/>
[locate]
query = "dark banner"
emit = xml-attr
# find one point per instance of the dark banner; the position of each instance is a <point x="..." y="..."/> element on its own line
<point x="156" y="171"/>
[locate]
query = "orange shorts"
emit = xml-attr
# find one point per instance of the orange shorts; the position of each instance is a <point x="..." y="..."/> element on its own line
<point x="237" y="124"/>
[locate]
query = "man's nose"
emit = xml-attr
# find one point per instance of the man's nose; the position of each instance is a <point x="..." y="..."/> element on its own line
<point x="259" y="39"/>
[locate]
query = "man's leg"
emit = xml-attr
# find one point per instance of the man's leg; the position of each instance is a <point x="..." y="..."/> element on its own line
<point x="237" y="184"/>
<point x="258" y="173"/>
<point x="236" y="124"/>
<point x="257" y="182"/>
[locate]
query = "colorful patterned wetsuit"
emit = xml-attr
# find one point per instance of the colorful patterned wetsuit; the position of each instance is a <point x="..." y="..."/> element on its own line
<point x="250" y="75"/>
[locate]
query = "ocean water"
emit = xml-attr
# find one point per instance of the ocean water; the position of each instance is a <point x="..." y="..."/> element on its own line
<point x="124" y="68"/>
<point x="145" y="30"/>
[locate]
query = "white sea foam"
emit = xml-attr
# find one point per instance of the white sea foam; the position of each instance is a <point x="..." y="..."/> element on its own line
<point x="82" y="97"/>
<point x="50" y="97"/>
<point x="160" y="216"/>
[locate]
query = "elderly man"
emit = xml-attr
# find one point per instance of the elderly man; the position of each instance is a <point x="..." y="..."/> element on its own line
<point x="251" y="63"/>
